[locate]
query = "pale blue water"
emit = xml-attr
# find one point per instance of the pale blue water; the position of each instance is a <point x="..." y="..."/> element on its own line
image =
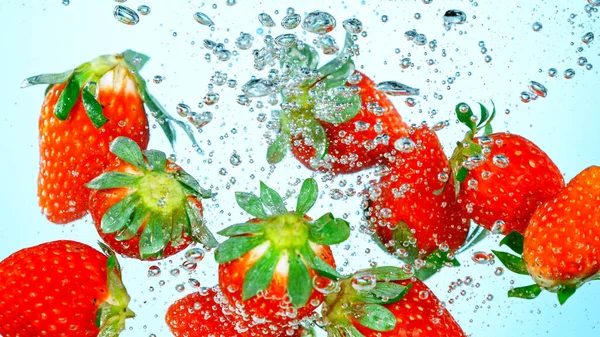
<point x="47" y="36"/>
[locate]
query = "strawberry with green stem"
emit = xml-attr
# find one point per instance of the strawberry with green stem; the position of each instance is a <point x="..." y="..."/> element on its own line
<point x="147" y="207"/>
<point x="501" y="178"/>
<point x="333" y="119"/>
<point x="269" y="264"/>
<point x="62" y="288"/>
<point x="410" y="213"/>
<point x="84" y="110"/>
<point x="386" y="302"/>
<point x="560" y="248"/>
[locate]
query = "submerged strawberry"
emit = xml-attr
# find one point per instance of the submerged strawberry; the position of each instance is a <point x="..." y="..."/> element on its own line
<point x="333" y="118"/>
<point x="267" y="266"/>
<point x="560" y="248"/>
<point x="410" y="212"/>
<point x="62" y="288"/>
<point x="386" y="302"/>
<point x="502" y="177"/>
<point x="84" y="110"/>
<point x="147" y="207"/>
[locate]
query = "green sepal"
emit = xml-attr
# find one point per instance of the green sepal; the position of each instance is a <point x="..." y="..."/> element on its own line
<point x="353" y="105"/>
<point x="434" y="263"/>
<point x="514" y="240"/>
<point x="260" y="275"/>
<point x="403" y="237"/>
<point x="111" y="314"/>
<point x="466" y="117"/>
<point x="242" y="229"/>
<point x="307" y="197"/>
<point x="157" y="160"/>
<point x="252" y="204"/>
<point x="191" y="184"/>
<point x="565" y="292"/>
<point x="528" y="292"/>
<point x="129" y="151"/>
<point x="67" y="99"/>
<point x="384" y="293"/>
<point x="140" y="215"/>
<point x="488" y="130"/>
<point x="108" y="180"/>
<point x="299" y="282"/>
<point x="512" y="262"/>
<point x="179" y="221"/>
<point x="135" y="60"/>
<point x="462" y="174"/>
<point x="277" y="150"/>
<point x="340" y="76"/>
<point x="197" y="229"/>
<point x="317" y="134"/>
<point x="271" y="200"/>
<point x="235" y="247"/>
<point x="477" y="235"/>
<point x="93" y="109"/>
<point x="375" y="317"/>
<point x="316" y="263"/>
<point x="118" y="215"/>
<point x="338" y="63"/>
<point x="307" y="57"/>
<point x="388" y="273"/>
<point x="328" y="230"/>
<point x="50" y="79"/>
<point x="153" y="239"/>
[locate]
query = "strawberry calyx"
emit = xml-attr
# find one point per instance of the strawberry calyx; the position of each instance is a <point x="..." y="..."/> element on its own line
<point x="310" y="96"/>
<point x="361" y="299"/>
<point x="161" y="195"/>
<point x="84" y="80"/>
<point x="468" y="154"/>
<point x="515" y="263"/>
<point x="112" y="313"/>
<point x="288" y="236"/>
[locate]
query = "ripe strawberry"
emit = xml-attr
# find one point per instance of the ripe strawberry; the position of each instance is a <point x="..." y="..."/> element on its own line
<point x="84" y="110"/>
<point x="147" y="207"/>
<point x="334" y="118"/>
<point x="207" y="313"/>
<point x="386" y="302"/>
<point x="410" y="212"/>
<point x="503" y="177"/>
<point x="560" y="248"/>
<point x="62" y="288"/>
<point x="267" y="266"/>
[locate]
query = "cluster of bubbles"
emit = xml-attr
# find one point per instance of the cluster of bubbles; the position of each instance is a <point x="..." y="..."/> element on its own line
<point x="127" y="15"/>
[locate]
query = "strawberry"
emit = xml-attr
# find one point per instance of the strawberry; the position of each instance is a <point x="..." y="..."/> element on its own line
<point x="386" y="302"/>
<point x="145" y="206"/>
<point x="206" y="313"/>
<point x="503" y="177"/>
<point x="268" y="265"/>
<point x="409" y="211"/>
<point x="333" y="118"/>
<point x="62" y="288"/>
<point x="560" y="247"/>
<point x="84" y="110"/>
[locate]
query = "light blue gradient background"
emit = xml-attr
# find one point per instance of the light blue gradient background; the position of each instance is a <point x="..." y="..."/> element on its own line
<point x="46" y="36"/>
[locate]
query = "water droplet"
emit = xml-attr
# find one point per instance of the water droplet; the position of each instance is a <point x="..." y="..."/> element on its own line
<point x="175" y="272"/>
<point x="480" y="258"/>
<point x="244" y="41"/>
<point x="420" y="39"/>
<point x="454" y="17"/>
<point x="126" y="15"/>
<point x="569" y="74"/>
<point x="364" y="282"/>
<point x="552" y="72"/>
<point x="499" y="271"/>
<point x="336" y="194"/>
<point x="180" y="287"/>
<point x="588" y="38"/>
<point x="183" y="110"/>
<point x="384" y="18"/>
<point x="231" y="2"/>
<point x="353" y="26"/>
<point x="235" y="159"/>
<point x="291" y="21"/>
<point x="154" y="271"/>
<point x="194" y="283"/>
<point x="319" y="22"/>
<point x="405" y="63"/>
<point x="327" y="43"/>
<point x="203" y="19"/>
<point x="423" y="294"/>
<point x="405" y="145"/>
<point x="500" y="160"/>
<point x="324" y="285"/>
<point x="266" y="20"/>
<point x="498" y="227"/>
<point x="394" y="88"/>
<point x="582" y="61"/>
<point x="589" y="66"/>
<point x="463" y="108"/>
<point x="536" y="26"/>
<point x="194" y="255"/>
<point x="488" y="59"/>
<point x="66" y="2"/>
<point x="258" y="87"/>
<point x="144" y="10"/>
<point x="489" y="297"/>
<point x="538" y="89"/>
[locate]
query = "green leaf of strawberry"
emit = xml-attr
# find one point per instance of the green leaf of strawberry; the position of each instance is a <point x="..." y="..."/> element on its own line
<point x="271" y="200"/>
<point x="565" y="292"/>
<point x="93" y="108"/>
<point x="276" y="151"/>
<point x="259" y="276"/>
<point x="250" y="203"/>
<point x="129" y="151"/>
<point x="328" y="230"/>
<point x="384" y="293"/>
<point x="307" y="197"/>
<point x="67" y="99"/>
<point x="512" y="262"/>
<point x="299" y="282"/>
<point x="243" y="228"/>
<point x="375" y="317"/>
<point x="514" y="240"/>
<point x="233" y="248"/>
<point x="528" y="292"/>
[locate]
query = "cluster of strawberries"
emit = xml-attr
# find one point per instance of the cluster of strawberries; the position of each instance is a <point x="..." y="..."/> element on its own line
<point x="277" y="269"/>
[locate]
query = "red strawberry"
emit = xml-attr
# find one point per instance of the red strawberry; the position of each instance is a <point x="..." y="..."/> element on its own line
<point x="84" y="110"/>
<point x="410" y="212"/>
<point x="385" y="302"/>
<point x="267" y="266"/>
<point x="206" y="313"/>
<point x="504" y="177"/>
<point x="62" y="288"/>
<point x="360" y="142"/>
<point x="334" y="118"/>
<point x="145" y="206"/>
<point x="560" y="248"/>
